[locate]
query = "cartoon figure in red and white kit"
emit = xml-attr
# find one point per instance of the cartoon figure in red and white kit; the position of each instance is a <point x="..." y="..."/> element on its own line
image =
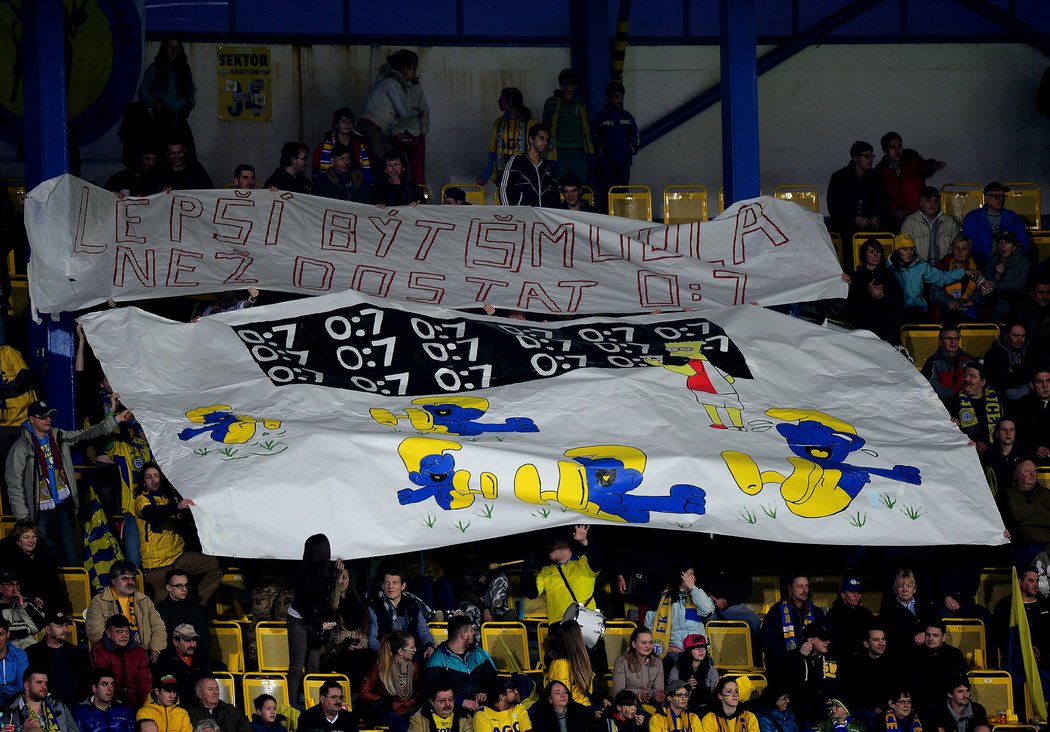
<point x="712" y="387"/>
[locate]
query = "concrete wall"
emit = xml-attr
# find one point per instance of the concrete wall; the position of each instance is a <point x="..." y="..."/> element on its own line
<point x="970" y="105"/>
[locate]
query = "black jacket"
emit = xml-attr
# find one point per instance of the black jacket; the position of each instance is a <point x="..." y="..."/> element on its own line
<point x="525" y="184"/>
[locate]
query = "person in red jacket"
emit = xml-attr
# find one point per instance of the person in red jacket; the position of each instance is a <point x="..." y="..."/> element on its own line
<point x="127" y="659"/>
<point x="904" y="173"/>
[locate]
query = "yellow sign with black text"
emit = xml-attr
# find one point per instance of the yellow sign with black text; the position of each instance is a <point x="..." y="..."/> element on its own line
<point x="244" y="83"/>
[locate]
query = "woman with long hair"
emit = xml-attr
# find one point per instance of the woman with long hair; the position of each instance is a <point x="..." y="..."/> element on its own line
<point x="696" y="668"/>
<point x="392" y="690"/>
<point x="348" y="652"/>
<point x="311" y="616"/>
<point x="727" y="714"/>
<point x="567" y="661"/>
<point x="556" y="711"/>
<point x="639" y="670"/>
<point x="167" y="89"/>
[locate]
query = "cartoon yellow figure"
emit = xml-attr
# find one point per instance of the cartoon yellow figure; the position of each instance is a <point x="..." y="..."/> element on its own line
<point x="225" y="426"/>
<point x="712" y="387"/>
<point x="598" y="481"/>
<point x="434" y="470"/>
<point x="820" y="484"/>
<point x="451" y="415"/>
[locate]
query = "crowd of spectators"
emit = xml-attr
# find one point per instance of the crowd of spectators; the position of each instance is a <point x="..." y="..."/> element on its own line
<point x="843" y="667"/>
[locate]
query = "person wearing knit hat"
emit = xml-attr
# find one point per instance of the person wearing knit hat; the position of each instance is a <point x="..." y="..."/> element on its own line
<point x="915" y="274"/>
<point x="675" y="715"/>
<point x="839" y="719"/>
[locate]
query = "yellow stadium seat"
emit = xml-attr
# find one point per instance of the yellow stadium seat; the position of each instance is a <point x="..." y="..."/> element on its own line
<point x="995" y="584"/>
<point x="631" y="202"/>
<point x="507" y="643"/>
<point x="959" y="199"/>
<point x="730" y="644"/>
<point x="617" y="637"/>
<point x="824" y="588"/>
<point x="803" y="194"/>
<point x="1041" y="244"/>
<point x="78" y="588"/>
<point x="1023" y="200"/>
<point x="74" y="634"/>
<point x="587" y="194"/>
<point x="921" y="341"/>
<point x="885" y="238"/>
<point x="475" y="193"/>
<point x="993" y="690"/>
<point x="541" y="636"/>
<point x="607" y="682"/>
<point x="1042" y="477"/>
<point x="967" y="634"/>
<point x="312" y="688"/>
<point x="253" y="684"/>
<point x="765" y="592"/>
<point x="721" y="199"/>
<point x="227" y="644"/>
<point x="685" y="204"/>
<point x="836" y="241"/>
<point x="6" y="524"/>
<point x="271" y="644"/>
<point x="140" y="582"/>
<point x="228" y="604"/>
<point x="227" y="687"/>
<point x="977" y="338"/>
<point x="439" y="631"/>
<point x="758" y="684"/>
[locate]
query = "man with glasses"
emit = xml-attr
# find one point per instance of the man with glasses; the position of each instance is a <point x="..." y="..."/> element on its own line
<point x="983" y="225"/>
<point x="857" y="196"/>
<point x="121" y="597"/>
<point x="441" y="714"/>
<point x="289" y="175"/>
<point x="330" y="713"/>
<point x="176" y="609"/>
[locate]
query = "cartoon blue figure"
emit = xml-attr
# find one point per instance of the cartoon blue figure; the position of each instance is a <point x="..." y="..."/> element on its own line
<point x="434" y="470"/>
<point x="821" y="484"/>
<point x="224" y="426"/>
<point x="598" y="482"/>
<point x="452" y="415"/>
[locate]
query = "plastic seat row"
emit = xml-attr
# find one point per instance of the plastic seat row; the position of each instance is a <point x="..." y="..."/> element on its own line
<point x="276" y="685"/>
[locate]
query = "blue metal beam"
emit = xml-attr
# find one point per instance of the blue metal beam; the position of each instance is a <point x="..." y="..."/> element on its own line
<point x="1009" y="23"/>
<point x="778" y="55"/>
<point x="591" y="55"/>
<point x="52" y="344"/>
<point x="740" y="170"/>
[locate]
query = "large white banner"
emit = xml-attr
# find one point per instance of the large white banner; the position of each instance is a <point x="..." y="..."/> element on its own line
<point x="392" y="429"/>
<point x="89" y="246"/>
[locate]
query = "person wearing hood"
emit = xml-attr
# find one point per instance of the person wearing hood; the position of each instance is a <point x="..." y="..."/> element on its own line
<point x="162" y="707"/>
<point x="387" y="110"/>
<point x="41" y="481"/>
<point x="727" y="713"/>
<point x="839" y="719"/>
<point x="773" y="710"/>
<point x="127" y="659"/>
<point x="99" y="713"/>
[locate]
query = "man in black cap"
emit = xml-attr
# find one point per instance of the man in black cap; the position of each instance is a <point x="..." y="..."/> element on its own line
<point x="24" y="618"/>
<point x="849" y="618"/>
<point x="810" y="675"/>
<point x="67" y="666"/>
<point x="983" y="224"/>
<point x="182" y="660"/>
<point x="931" y="229"/>
<point x="41" y="484"/>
